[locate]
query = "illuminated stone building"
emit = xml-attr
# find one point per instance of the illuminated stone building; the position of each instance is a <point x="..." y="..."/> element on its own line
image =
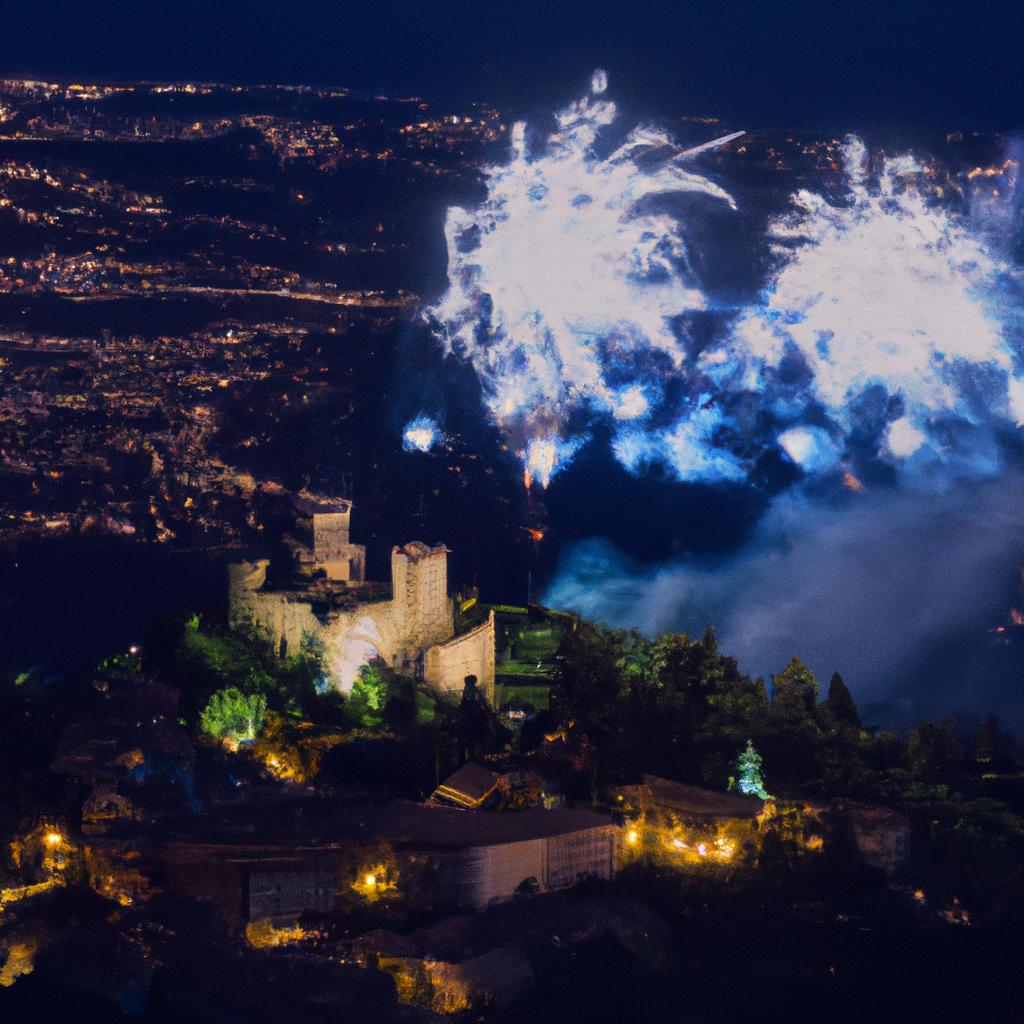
<point x="410" y="626"/>
<point x="331" y="551"/>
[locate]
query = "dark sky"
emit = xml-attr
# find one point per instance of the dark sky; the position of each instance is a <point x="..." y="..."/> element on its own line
<point x="789" y="63"/>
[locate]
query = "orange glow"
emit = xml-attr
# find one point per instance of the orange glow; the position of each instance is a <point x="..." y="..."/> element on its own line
<point x="991" y="172"/>
<point x="851" y="482"/>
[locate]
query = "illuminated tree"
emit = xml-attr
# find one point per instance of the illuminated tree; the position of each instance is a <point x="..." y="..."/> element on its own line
<point x="233" y="715"/>
<point x="748" y="765"/>
<point x="369" y="694"/>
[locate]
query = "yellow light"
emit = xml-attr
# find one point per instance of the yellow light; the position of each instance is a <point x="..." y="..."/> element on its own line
<point x="632" y="836"/>
<point x="370" y="880"/>
<point x="54" y="839"/>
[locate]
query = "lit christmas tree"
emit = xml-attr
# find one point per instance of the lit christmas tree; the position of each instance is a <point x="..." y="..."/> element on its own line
<point x="748" y="764"/>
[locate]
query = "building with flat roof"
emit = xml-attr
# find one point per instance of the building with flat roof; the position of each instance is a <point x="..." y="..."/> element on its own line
<point x="439" y="857"/>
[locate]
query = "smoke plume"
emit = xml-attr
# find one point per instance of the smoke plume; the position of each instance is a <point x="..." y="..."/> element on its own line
<point x="566" y="282"/>
<point x="880" y="364"/>
<point x="899" y="591"/>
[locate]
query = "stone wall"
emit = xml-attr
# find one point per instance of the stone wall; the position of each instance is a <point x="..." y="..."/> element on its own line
<point x="349" y="565"/>
<point x="418" y="616"/>
<point x="330" y="534"/>
<point x="446" y="666"/>
<point x="332" y="550"/>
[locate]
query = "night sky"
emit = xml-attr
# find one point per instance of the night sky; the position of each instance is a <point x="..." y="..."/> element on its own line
<point x="896" y="67"/>
<point x="790" y="64"/>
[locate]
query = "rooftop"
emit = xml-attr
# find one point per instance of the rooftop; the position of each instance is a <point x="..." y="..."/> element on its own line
<point x="415" y="824"/>
<point x="309" y="504"/>
<point x="692" y="801"/>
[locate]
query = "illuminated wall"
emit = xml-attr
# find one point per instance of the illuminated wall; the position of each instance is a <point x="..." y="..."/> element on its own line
<point x="418" y="616"/>
<point x="446" y="666"/>
<point x="493" y="873"/>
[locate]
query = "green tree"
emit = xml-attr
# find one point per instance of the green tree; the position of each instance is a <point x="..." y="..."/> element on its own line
<point x="588" y="682"/>
<point x="748" y="767"/>
<point x="795" y="690"/>
<point x="369" y="695"/>
<point x="934" y="755"/>
<point x="233" y="715"/>
<point x="840" y="703"/>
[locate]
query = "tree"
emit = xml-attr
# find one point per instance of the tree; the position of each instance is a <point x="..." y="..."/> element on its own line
<point x="233" y="715"/>
<point x="840" y="703"/>
<point x="748" y="766"/>
<point x="796" y="690"/>
<point x="369" y="694"/>
<point x="529" y="886"/>
<point x="934" y="755"/>
<point x="477" y="730"/>
<point x="588" y="678"/>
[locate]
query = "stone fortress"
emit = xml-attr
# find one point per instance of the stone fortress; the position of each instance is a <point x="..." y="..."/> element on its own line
<point x="326" y="598"/>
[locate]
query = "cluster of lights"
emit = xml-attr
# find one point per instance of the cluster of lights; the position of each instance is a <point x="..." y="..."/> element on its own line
<point x="374" y="882"/>
<point x="719" y="848"/>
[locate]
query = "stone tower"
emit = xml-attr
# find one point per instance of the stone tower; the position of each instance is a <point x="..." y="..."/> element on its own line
<point x="422" y="609"/>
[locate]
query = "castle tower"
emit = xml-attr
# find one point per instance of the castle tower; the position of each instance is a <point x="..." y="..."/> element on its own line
<point x="422" y="609"/>
<point x="332" y="550"/>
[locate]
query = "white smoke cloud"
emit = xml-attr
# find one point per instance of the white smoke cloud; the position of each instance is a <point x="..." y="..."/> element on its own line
<point x="420" y="434"/>
<point x="874" y="586"/>
<point x="882" y="290"/>
<point x="565" y="273"/>
<point x="887" y="337"/>
<point x="566" y="286"/>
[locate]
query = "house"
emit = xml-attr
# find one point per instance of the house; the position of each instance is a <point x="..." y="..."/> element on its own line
<point x="469" y="787"/>
<point x="688" y="825"/>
